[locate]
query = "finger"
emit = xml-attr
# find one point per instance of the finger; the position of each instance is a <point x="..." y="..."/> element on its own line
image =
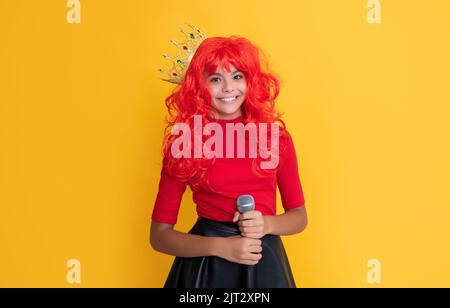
<point x="251" y="214"/>
<point x="246" y="223"/>
<point x="248" y="215"/>
<point x="254" y="257"/>
<point x="245" y="262"/>
<point x="256" y="249"/>
<point x="255" y="242"/>
<point x="256" y="222"/>
<point x="252" y="243"/>
<point x="256" y="235"/>
<point x="251" y="229"/>
<point x="236" y="217"/>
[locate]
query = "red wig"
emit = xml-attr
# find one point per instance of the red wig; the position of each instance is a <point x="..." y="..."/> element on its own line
<point x="192" y="97"/>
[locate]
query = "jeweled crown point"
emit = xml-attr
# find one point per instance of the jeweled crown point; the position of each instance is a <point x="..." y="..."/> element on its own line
<point x="186" y="50"/>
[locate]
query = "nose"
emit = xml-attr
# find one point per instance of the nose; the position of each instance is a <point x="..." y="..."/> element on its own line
<point x="227" y="87"/>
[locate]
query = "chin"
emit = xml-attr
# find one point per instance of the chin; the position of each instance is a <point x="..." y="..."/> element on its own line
<point x="228" y="112"/>
<point x="229" y="108"/>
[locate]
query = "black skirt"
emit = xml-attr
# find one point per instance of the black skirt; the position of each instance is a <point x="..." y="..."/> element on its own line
<point x="272" y="271"/>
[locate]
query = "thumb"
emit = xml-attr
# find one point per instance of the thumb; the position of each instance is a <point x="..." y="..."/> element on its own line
<point x="236" y="216"/>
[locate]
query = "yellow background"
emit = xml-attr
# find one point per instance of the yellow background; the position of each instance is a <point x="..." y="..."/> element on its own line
<point x="82" y="117"/>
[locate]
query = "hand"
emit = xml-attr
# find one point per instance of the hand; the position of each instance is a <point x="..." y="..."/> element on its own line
<point x="251" y="224"/>
<point x="240" y="249"/>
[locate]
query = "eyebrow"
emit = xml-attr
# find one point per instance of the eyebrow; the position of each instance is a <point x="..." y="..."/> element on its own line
<point x="213" y="74"/>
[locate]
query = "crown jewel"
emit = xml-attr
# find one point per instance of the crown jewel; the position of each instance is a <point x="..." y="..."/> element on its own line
<point x="186" y="50"/>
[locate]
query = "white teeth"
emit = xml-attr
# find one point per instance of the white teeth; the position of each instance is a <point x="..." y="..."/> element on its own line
<point x="228" y="99"/>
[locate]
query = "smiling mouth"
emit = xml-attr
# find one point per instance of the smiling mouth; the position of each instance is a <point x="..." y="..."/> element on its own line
<point x="229" y="100"/>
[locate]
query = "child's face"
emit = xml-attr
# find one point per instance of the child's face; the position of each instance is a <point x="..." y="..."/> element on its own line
<point x="223" y="84"/>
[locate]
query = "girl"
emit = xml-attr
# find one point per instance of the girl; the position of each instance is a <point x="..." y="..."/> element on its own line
<point x="225" y="84"/>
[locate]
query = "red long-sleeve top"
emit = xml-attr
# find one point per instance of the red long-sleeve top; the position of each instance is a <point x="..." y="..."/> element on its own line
<point x="233" y="177"/>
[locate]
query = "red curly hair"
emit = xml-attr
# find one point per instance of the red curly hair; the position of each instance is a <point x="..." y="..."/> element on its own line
<point x="192" y="97"/>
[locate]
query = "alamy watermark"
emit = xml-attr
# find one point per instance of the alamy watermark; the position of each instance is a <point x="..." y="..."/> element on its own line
<point x="374" y="13"/>
<point x="258" y="141"/>
<point x="73" y="16"/>
<point x="73" y="275"/>
<point x="374" y="274"/>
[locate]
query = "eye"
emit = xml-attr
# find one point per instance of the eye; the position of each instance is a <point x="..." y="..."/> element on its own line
<point x="240" y="77"/>
<point x="214" y="79"/>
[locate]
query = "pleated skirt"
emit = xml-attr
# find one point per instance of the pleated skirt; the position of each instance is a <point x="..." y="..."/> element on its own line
<point x="272" y="271"/>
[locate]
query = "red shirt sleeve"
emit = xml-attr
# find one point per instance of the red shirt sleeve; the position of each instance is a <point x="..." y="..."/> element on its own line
<point x="168" y="200"/>
<point x="288" y="177"/>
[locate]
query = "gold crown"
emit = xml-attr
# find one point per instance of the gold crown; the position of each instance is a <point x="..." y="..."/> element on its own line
<point x="186" y="50"/>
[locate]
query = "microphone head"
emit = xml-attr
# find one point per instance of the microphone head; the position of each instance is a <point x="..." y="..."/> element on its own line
<point x="245" y="203"/>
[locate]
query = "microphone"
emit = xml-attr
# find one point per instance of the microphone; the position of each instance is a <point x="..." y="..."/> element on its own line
<point x="245" y="203"/>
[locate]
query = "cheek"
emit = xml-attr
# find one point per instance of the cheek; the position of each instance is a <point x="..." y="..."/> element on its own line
<point x="213" y="90"/>
<point x="243" y="88"/>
